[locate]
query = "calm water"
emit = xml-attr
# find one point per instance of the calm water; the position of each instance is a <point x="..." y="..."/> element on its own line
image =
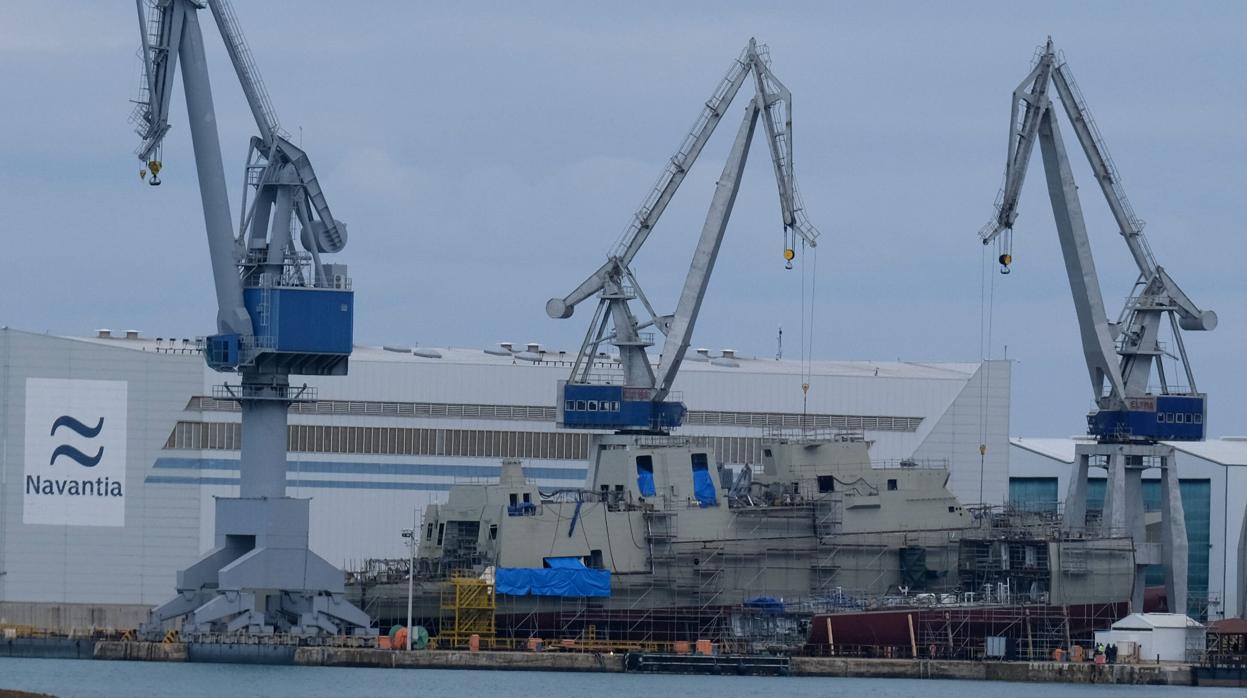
<point x="71" y="677"/>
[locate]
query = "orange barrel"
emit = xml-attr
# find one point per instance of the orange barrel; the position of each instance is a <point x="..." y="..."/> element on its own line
<point x="400" y="639"/>
<point x="705" y="647"/>
<point x="680" y="647"/>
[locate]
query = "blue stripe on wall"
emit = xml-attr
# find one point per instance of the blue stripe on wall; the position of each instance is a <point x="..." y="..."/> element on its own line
<point x="416" y="469"/>
<point x="321" y="484"/>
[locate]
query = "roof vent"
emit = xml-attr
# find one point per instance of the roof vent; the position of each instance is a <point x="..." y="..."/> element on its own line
<point x="104" y="333"/>
<point x="427" y="353"/>
<point x="729" y="353"/>
<point x="534" y="347"/>
<point x="703" y="351"/>
<point x="509" y="346"/>
<point x="132" y="334"/>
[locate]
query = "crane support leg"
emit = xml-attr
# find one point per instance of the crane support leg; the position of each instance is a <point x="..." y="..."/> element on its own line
<point x="1079" y="264"/>
<point x="1124" y="514"/>
<point x="681" y="330"/>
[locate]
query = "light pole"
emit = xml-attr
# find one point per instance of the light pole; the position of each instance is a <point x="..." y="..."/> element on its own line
<point x="410" y="535"/>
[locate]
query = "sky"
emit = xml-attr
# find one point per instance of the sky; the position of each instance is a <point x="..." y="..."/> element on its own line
<point x="486" y="156"/>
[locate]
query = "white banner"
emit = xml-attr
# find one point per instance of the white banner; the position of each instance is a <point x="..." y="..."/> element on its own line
<point x="75" y="452"/>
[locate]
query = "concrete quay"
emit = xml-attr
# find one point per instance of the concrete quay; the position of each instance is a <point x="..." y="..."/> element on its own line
<point x="1165" y="674"/>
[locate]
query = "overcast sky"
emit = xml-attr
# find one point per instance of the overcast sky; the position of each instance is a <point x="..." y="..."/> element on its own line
<point x="486" y="157"/>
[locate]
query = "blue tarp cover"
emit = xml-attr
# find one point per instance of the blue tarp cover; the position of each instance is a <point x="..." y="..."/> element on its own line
<point x="703" y="488"/>
<point x="527" y="581"/>
<point x="769" y="604"/>
<point x="645" y="482"/>
<point x="564" y="563"/>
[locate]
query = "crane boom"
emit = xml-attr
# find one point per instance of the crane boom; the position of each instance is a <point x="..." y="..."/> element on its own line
<point x="641" y="401"/>
<point x="1121" y="354"/>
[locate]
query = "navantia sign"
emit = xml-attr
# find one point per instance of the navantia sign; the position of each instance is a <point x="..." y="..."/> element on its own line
<point x="75" y="452"/>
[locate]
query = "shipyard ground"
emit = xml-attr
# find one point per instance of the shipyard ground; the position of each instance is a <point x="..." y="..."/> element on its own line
<point x="1171" y="674"/>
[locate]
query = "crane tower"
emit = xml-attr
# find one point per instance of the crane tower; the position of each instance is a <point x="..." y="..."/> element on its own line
<point x="1138" y="405"/>
<point x="282" y="311"/>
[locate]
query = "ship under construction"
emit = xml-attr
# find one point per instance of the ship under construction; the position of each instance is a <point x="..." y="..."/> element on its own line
<point x="656" y="549"/>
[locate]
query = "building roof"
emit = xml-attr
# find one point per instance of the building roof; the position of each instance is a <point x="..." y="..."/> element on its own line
<point x="1152" y="621"/>
<point x="927" y="370"/>
<point x="1228" y="626"/>
<point x="1229" y="450"/>
<point x="1056" y="449"/>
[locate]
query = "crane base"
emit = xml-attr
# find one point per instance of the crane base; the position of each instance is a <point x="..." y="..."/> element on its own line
<point x="260" y="579"/>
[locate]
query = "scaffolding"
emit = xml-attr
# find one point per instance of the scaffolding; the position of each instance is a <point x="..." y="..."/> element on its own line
<point x="468" y="606"/>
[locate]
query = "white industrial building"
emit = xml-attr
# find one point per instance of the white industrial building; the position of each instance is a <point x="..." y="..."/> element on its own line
<point x="1146" y="637"/>
<point x="112" y="447"/>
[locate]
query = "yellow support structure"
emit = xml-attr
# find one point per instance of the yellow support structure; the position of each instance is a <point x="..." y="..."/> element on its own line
<point x="468" y="605"/>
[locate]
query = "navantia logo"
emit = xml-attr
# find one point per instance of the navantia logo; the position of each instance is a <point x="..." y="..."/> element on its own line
<point x="81" y="430"/>
<point x="75" y="452"/>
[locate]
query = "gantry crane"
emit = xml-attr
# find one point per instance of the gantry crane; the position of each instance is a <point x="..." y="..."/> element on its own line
<point x="1132" y="417"/>
<point x="282" y="311"/>
<point x="639" y="400"/>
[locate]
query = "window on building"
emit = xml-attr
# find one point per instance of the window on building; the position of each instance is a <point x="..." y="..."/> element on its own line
<point x="515" y="499"/>
<point x="581" y="406"/>
<point x="428" y="534"/>
<point x="528" y="498"/>
<point x="441" y="533"/>
<point x="1199" y="418"/>
<point x="493" y="531"/>
<point x="892" y="483"/>
<point x="593" y="405"/>
<point x="569" y="405"/>
<point x="826" y="483"/>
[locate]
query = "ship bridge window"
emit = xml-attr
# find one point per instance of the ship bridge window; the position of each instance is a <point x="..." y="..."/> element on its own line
<point x="1199" y="418"/>
<point x="569" y="405"/>
<point x="581" y="405"/>
<point x="593" y="405"/>
<point x="1160" y="417"/>
<point x="892" y="484"/>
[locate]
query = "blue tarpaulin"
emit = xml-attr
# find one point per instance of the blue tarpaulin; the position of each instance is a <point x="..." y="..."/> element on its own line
<point x="564" y="563"/>
<point x="570" y="582"/>
<point x="703" y="485"/>
<point x="769" y="604"/>
<point x="645" y="483"/>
